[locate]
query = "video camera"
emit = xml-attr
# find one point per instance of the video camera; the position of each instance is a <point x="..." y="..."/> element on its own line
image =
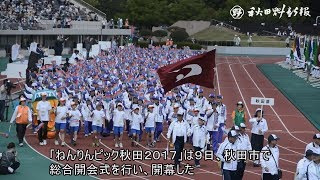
<point x="8" y="86"/>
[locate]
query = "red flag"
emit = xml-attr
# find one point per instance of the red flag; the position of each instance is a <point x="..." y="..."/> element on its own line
<point x="197" y="70"/>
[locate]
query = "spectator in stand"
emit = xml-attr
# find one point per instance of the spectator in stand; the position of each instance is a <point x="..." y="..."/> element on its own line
<point x="126" y="24"/>
<point x="27" y="14"/>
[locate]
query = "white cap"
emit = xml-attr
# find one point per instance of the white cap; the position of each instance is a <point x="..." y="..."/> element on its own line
<point x="44" y="94"/>
<point x="135" y="106"/>
<point x="62" y="99"/>
<point x="34" y="84"/>
<point x="196" y="109"/>
<point x="232" y="133"/>
<point x="120" y="104"/>
<point x="240" y="103"/>
<point x="243" y="125"/>
<point x="180" y="112"/>
<point x="150" y="106"/>
<point x="236" y="128"/>
<point x="22" y="99"/>
<point x="176" y="105"/>
<point x="259" y="109"/>
<point x="73" y="103"/>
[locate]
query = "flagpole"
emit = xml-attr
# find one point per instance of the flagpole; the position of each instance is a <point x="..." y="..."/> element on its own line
<point x="215" y="80"/>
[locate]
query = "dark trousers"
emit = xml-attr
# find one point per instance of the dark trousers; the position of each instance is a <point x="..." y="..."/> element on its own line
<point x="158" y="130"/>
<point x="21" y="131"/>
<point x="43" y="131"/>
<point x="229" y="175"/>
<point x="4" y="170"/>
<point x="268" y="176"/>
<point x="240" y="171"/>
<point x="257" y="142"/>
<point x="2" y="108"/>
<point x="178" y="147"/>
<point x="196" y="161"/>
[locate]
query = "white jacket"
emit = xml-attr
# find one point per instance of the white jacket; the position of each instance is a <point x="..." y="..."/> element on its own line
<point x="302" y="169"/>
<point x="176" y="126"/>
<point x="271" y="163"/>
<point x="200" y="136"/>
<point x="222" y="110"/>
<point x="226" y="145"/>
<point x="313" y="171"/>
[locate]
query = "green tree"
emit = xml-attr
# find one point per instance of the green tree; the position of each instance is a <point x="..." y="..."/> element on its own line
<point x="147" y="13"/>
<point x="160" y="34"/>
<point x="179" y="35"/>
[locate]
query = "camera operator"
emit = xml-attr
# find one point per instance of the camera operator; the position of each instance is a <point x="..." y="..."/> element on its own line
<point x="8" y="160"/>
<point x="8" y="86"/>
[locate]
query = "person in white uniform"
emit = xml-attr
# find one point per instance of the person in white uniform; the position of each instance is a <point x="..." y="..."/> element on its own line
<point x="243" y="145"/>
<point x="213" y="125"/>
<point x="315" y="145"/>
<point x="75" y="119"/>
<point x="200" y="138"/>
<point x="98" y="123"/>
<point x="178" y="131"/>
<point x="228" y="164"/>
<point x="61" y="122"/>
<point x="136" y="120"/>
<point x="118" y="124"/>
<point x="43" y="108"/>
<point x="313" y="169"/>
<point x="303" y="164"/>
<point x="259" y="128"/>
<point x="150" y="120"/>
<point x="270" y="162"/>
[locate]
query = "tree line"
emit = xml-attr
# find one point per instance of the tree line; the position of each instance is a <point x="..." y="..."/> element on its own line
<point x="148" y="13"/>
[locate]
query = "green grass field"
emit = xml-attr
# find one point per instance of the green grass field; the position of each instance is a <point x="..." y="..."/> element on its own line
<point x="214" y="33"/>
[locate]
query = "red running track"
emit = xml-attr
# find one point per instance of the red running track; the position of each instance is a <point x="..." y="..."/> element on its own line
<point x="238" y="79"/>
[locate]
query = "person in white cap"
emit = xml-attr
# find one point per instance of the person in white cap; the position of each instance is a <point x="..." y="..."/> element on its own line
<point x="136" y="120"/>
<point x="228" y="164"/>
<point x="270" y="161"/>
<point x="150" y="120"/>
<point x="193" y="116"/>
<point x="312" y="171"/>
<point x="303" y="164"/>
<point x="243" y="145"/>
<point x="43" y="108"/>
<point x="118" y="124"/>
<point x="22" y="116"/>
<point x="178" y="131"/>
<point x="259" y="128"/>
<point x="61" y="122"/>
<point x="173" y="114"/>
<point x="75" y="117"/>
<point x="200" y="138"/>
<point x="98" y="123"/>
<point x="315" y="145"/>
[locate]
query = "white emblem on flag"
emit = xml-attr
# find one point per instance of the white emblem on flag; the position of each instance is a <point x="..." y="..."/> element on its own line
<point x="195" y="70"/>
